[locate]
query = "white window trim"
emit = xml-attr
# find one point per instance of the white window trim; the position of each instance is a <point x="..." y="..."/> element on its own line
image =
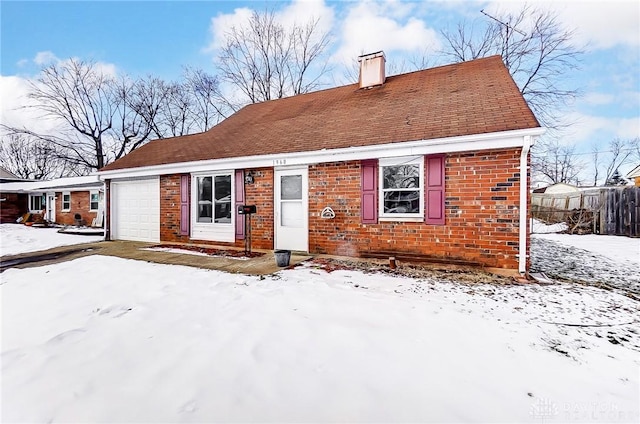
<point x="403" y="160"/>
<point x="43" y="205"/>
<point x="194" y="203"/>
<point x="67" y="193"/>
<point x="91" y="193"/>
<point x="213" y="231"/>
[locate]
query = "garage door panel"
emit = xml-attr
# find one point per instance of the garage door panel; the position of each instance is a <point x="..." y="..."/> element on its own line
<point x="136" y="206"/>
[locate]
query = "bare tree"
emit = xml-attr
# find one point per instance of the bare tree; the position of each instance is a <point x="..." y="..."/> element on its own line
<point x="558" y="163"/>
<point x="265" y="60"/>
<point x="208" y="104"/>
<point x="596" y="163"/>
<point x="535" y="47"/>
<point x="102" y="118"/>
<point x="78" y="96"/>
<point x="30" y="158"/>
<point x="137" y="107"/>
<point x="618" y="152"/>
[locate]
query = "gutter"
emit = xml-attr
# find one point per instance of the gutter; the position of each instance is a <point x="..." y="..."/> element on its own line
<point x="522" y="245"/>
<point x="486" y="141"/>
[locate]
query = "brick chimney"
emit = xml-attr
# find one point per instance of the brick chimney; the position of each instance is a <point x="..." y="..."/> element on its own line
<point x="372" y="69"/>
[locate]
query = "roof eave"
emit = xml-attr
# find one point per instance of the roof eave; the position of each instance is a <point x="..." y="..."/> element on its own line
<point x="485" y="141"/>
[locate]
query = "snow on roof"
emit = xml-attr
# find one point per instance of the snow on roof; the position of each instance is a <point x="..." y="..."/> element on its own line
<point x="67" y="183"/>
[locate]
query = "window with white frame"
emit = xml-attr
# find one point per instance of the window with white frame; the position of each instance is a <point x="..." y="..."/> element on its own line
<point x="401" y="188"/>
<point x="66" y="201"/>
<point x="94" y="200"/>
<point x="214" y="199"/>
<point x="37" y="202"/>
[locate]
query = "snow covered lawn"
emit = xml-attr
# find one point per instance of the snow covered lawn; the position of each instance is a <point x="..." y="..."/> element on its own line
<point x="15" y="239"/>
<point x="103" y="339"/>
<point x="613" y="260"/>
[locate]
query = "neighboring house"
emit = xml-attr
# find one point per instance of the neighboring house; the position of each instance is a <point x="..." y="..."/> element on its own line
<point x="634" y="176"/>
<point x="557" y="188"/>
<point x="65" y="201"/>
<point x="6" y="176"/>
<point x="431" y="163"/>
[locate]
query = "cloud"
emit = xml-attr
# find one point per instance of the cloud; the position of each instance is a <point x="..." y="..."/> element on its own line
<point x="598" y="99"/>
<point x="604" y="24"/>
<point x="16" y="109"/>
<point x="371" y="26"/>
<point x="301" y="11"/>
<point x="45" y="58"/>
<point x="589" y="129"/>
<point x="598" y="24"/>
<point x="297" y="12"/>
<point x="222" y="23"/>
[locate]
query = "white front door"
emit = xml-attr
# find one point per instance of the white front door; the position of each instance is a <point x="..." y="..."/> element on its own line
<point x="292" y="205"/>
<point x="51" y="207"/>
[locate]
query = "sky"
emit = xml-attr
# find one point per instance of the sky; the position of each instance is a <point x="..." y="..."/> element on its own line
<point x="139" y="38"/>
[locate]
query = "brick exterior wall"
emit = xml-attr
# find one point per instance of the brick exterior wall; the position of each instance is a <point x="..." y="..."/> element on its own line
<point x="482" y="214"/>
<point x="13" y="206"/>
<point x="482" y="193"/>
<point x="79" y="205"/>
<point x="170" y="209"/>
<point x="259" y="193"/>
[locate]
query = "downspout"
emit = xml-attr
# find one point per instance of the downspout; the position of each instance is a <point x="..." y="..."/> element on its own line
<point x="524" y="186"/>
<point x="105" y="224"/>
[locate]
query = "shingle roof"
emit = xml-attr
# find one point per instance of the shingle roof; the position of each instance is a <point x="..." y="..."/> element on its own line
<point x="472" y="97"/>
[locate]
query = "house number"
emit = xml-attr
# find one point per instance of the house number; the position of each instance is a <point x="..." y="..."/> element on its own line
<point x="279" y="162"/>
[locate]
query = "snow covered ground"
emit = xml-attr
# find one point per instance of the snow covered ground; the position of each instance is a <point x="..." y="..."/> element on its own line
<point x="595" y="259"/>
<point x="103" y="339"/>
<point x="112" y="340"/>
<point x="539" y="227"/>
<point x="15" y="238"/>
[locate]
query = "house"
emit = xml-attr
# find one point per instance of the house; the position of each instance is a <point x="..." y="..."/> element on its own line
<point x="6" y="176"/>
<point x="634" y="176"/>
<point x="557" y="188"/>
<point x="64" y="201"/>
<point x="433" y="164"/>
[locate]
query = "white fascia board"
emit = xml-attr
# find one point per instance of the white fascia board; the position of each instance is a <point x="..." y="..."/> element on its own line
<point x="73" y="189"/>
<point x="488" y="141"/>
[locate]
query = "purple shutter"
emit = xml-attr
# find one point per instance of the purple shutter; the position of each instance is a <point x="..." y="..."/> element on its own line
<point x="184" y="205"/>
<point x="369" y="192"/>
<point x="434" y="190"/>
<point x="239" y="201"/>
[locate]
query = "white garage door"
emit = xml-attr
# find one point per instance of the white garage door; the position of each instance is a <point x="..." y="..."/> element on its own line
<point x="135" y="208"/>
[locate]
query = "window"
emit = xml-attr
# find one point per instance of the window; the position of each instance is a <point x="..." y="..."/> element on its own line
<point x="94" y="200"/>
<point x="401" y="188"/>
<point x="37" y="202"/>
<point x="214" y="199"/>
<point x="66" y="201"/>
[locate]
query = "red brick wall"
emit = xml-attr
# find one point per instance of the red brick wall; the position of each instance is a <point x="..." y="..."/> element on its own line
<point x="170" y="209"/>
<point x="482" y="216"/>
<point x="259" y="193"/>
<point x="482" y="192"/>
<point x="13" y="206"/>
<point x="79" y="204"/>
